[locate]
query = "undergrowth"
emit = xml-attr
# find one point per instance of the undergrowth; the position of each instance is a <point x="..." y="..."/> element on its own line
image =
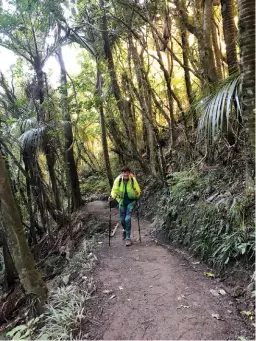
<point x="94" y="184"/>
<point x="68" y="302"/>
<point x="64" y="314"/>
<point x="213" y="218"/>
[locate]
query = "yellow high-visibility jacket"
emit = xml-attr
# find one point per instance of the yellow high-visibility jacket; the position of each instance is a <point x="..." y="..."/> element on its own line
<point x="118" y="188"/>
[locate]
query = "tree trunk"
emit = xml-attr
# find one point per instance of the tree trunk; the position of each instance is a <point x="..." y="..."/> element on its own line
<point x="115" y="86"/>
<point x="217" y="52"/>
<point x="185" y="49"/>
<point x="103" y="128"/>
<point x="152" y="148"/>
<point x="30" y="277"/>
<point x="76" y="199"/>
<point x="121" y="148"/>
<point x="208" y="60"/>
<point x="41" y="117"/>
<point x="191" y="26"/>
<point x="10" y="273"/>
<point x="37" y="191"/>
<point x="230" y="33"/>
<point x="29" y="197"/>
<point x="130" y="113"/>
<point x="50" y="160"/>
<point x="111" y="68"/>
<point x="247" y="63"/>
<point x="167" y="77"/>
<point x="145" y="138"/>
<point x="145" y="102"/>
<point x="40" y="92"/>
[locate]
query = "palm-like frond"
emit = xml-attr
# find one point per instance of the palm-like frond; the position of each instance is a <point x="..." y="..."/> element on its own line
<point x="215" y="109"/>
<point x="75" y="37"/>
<point x="23" y="124"/>
<point x="32" y="139"/>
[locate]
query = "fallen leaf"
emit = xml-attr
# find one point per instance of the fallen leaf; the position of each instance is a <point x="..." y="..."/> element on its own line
<point x="214" y="292"/>
<point x="195" y="263"/>
<point x="229" y="311"/>
<point x="216" y="316"/>
<point x="209" y="274"/>
<point x="113" y="296"/>
<point x="100" y="242"/>
<point x="222" y="292"/>
<point x="121" y="288"/>
<point x="66" y="279"/>
<point x="183" y="306"/>
<point x="151" y="286"/>
<point x="246" y="312"/>
<point x="128" y="299"/>
<point x="107" y="291"/>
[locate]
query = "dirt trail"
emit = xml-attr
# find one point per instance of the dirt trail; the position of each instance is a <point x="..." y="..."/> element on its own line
<point x="159" y="293"/>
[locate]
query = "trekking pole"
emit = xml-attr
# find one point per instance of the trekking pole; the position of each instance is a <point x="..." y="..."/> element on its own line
<point x="109" y="226"/>
<point x="138" y="217"/>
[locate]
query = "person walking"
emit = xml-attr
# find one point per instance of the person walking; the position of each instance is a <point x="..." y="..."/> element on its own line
<point x="126" y="191"/>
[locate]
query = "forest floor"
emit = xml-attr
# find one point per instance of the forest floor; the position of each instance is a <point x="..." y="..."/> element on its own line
<point x="151" y="292"/>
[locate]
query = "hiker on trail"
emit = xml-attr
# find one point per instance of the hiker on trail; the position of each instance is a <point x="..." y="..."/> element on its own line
<point x="126" y="191"/>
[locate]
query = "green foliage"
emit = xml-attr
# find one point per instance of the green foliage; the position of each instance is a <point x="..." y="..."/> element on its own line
<point x="64" y="313"/>
<point x="181" y="182"/>
<point x="25" y="27"/>
<point x="67" y="307"/>
<point x="215" y="109"/>
<point x="24" y="331"/>
<point x="95" y="184"/>
<point x="216" y="227"/>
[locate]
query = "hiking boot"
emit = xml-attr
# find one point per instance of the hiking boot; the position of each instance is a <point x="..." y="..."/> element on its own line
<point x="128" y="242"/>
<point x="124" y="234"/>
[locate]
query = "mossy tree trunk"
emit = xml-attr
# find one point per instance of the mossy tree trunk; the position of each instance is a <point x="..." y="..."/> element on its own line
<point x="24" y="262"/>
<point x="229" y="29"/>
<point x="104" y="140"/>
<point x="247" y="63"/>
<point x="69" y="140"/>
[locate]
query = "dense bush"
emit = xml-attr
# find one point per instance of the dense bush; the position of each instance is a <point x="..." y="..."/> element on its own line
<point x="213" y="218"/>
